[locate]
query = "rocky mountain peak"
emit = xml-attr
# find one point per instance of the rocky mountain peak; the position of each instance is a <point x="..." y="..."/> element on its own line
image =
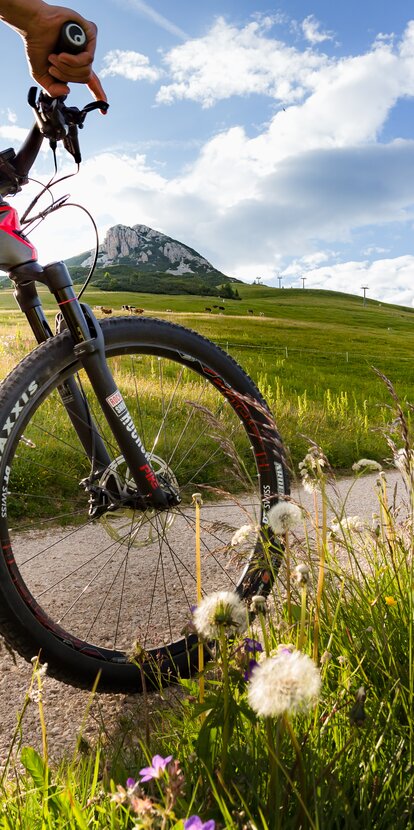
<point x="150" y="250"/>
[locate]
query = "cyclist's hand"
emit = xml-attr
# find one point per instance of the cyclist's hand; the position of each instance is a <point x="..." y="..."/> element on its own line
<point x="53" y="72"/>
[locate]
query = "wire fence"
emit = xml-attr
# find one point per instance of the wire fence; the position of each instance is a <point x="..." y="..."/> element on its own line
<point x="289" y="351"/>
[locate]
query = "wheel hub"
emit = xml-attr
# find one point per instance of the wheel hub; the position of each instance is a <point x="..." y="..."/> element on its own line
<point x="127" y="524"/>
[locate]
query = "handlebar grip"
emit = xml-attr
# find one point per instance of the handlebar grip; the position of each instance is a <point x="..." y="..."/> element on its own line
<point x="72" y="39"/>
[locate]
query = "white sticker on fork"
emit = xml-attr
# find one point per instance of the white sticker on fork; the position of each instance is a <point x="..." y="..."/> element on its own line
<point x="116" y="402"/>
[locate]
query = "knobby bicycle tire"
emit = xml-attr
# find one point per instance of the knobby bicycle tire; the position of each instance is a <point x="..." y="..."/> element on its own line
<point x="114" y="595"/>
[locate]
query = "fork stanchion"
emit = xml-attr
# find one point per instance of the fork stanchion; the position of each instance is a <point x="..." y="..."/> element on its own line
<point x="197" y="501"/>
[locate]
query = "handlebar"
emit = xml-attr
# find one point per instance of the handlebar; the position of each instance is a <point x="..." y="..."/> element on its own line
<point x="53" y="120"/>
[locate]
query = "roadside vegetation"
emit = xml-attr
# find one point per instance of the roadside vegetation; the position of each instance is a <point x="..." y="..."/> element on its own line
<point x="302" y="717"/>
<point x="313" y="355"/>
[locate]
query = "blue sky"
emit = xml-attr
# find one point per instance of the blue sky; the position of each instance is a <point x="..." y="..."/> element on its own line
<point x="274" y="139"/>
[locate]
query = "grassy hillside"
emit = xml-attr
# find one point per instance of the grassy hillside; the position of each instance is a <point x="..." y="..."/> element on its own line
<point x="125" y="277"/>
<point x="311" y="352"/>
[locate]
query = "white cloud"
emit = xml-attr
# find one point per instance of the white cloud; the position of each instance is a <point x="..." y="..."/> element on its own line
<point x="314" y="179"/>
<point x="10" y="132"/>
<point x="131" y="65"/>
<point x="231" y="61"/>
<point x="160" y="20"/>
<point x="312" y="32"/>
<point x="389" y="280"/>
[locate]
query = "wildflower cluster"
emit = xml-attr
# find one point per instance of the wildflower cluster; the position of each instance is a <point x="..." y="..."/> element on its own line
<point x="243" y="534"/>
<point x="246" y="656"/>
<point x="311" y="469"/>
<point x="345" y="526"/>
<point x="366" y="465"/>
<point x="149" y="812"/>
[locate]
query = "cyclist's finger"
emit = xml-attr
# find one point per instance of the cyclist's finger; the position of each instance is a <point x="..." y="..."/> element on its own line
<point x="96" y="88"/>
<point x="72" y="66"/>
<point x="77" y="68"/>
<point x="53" y="87"/>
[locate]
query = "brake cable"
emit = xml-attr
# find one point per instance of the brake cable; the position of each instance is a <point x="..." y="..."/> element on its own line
<point x="57" y="122"/>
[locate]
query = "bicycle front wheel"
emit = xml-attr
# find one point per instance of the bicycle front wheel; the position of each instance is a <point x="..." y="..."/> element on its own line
<point x="90" y="593"/>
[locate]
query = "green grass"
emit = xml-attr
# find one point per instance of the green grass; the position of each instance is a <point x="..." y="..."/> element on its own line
<point x="312" y="355"/>
<point x="346" y="763"/>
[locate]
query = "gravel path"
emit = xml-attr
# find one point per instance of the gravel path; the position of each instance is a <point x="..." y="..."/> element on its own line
<point x="65" y="707"/>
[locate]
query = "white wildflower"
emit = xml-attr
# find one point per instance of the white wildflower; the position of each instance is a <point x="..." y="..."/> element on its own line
<point x="241" y="535"/>
<point x="222" y="609"/>
<point x="40" y="669"/>
<point x="365" y="465"/>
<point x="302" y="574"/>
<point x="311" y="470"/>
<point x="313" y="460"/>
<point x="309" y="484"/>
<point x="283" y="516"/>
<point x="289" y="682"/>
<point x="346" y="525"/>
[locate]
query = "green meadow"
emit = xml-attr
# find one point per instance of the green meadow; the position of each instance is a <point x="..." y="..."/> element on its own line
<point x="314" y="355"/>
<point x="302" y="718"/>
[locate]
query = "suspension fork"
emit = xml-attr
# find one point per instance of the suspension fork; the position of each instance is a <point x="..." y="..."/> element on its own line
<point x="89" y="349"/>
<point x="71" y="396"/>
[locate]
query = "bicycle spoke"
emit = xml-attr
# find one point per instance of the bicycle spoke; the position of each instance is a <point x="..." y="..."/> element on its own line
<point x="130" y="574"/>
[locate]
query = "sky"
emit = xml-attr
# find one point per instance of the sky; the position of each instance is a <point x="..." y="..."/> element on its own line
<point x="276" y="140"/>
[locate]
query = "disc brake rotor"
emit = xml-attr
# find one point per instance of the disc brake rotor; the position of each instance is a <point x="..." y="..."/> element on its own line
<point x="127" y="525"/>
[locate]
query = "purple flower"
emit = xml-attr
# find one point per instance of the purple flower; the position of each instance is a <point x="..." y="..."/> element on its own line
<point x="252" y="646"/>
<point x="195" y="823"/>
<point x="156" y="770"/>
<point x="249" y="671"/>
<point x="131" y="783"/>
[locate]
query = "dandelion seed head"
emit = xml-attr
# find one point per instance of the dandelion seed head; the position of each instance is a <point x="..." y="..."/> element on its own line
<point x="288" y="682"/>
<point x="301" y="574"/>
<point x="222" y="609"/>
<point x="258" y="604"/>
<point x="283" y="516"/>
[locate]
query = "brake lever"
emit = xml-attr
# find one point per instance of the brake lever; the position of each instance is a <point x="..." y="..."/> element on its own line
<point x="48" y="113"/>
<point x="60" y="123"/>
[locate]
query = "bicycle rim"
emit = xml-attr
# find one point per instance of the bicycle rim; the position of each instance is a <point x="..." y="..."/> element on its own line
<point x="124" y="585"/>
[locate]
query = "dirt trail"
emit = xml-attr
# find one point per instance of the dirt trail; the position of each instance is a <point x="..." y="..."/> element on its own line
<point x="65" y="706"/>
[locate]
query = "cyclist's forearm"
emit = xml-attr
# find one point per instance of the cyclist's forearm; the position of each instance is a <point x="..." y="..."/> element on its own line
<point x="20" y="13"/>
